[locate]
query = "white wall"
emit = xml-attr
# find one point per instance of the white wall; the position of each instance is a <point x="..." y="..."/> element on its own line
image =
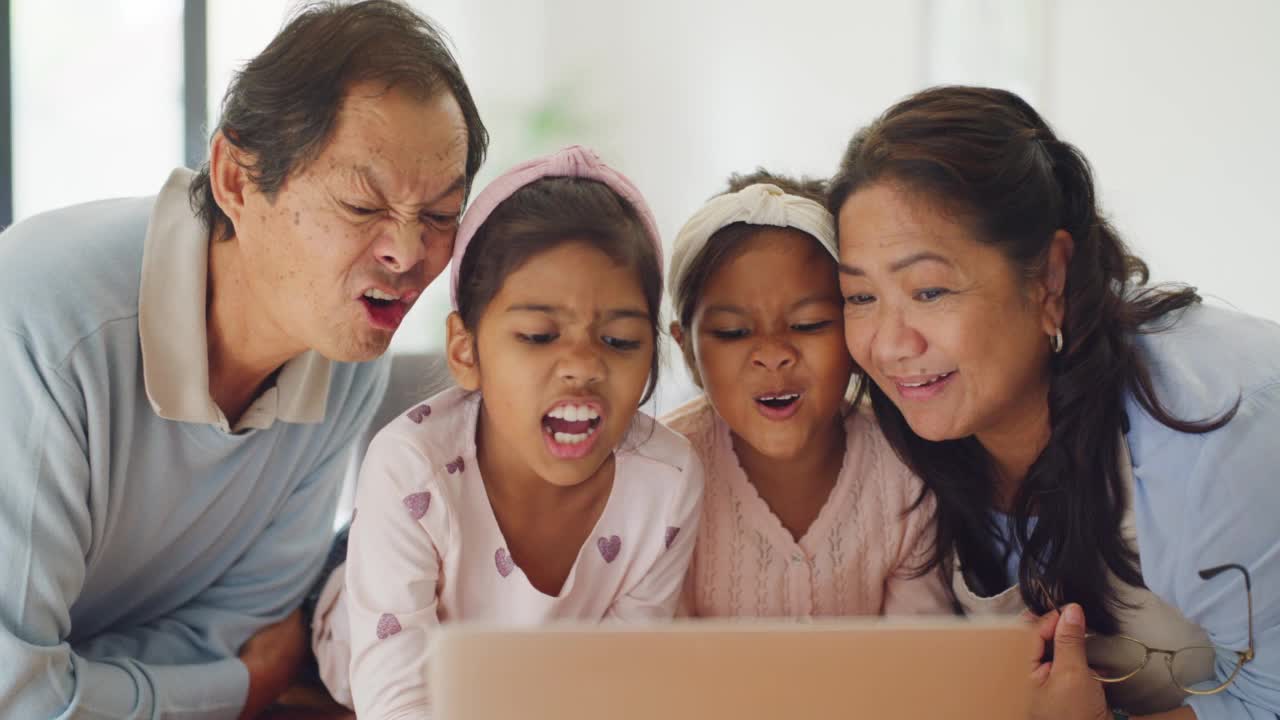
<point x="679" y="95"/>
<point x="79" y="71"/>
<point x="1177" y="105"/>
<point x="1176" y="102"/>
<point x="683" y="94"/>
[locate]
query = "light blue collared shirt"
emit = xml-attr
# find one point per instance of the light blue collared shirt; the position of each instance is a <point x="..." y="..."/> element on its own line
<point x="1206" y="500"/>
<point x="1211" y="499"/>
<point x="143" y="538"/>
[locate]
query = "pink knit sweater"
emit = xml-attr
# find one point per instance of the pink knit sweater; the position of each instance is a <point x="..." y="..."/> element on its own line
<point x="855" y="559"/>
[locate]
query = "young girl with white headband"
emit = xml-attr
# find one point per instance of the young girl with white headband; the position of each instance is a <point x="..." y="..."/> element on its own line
<point x="534" y="491"/>
<point x="807" y="511"/>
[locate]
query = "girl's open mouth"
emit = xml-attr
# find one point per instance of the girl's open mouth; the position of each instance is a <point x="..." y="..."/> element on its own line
<point x="778" y="405"/>
<point x="570" y="430"/>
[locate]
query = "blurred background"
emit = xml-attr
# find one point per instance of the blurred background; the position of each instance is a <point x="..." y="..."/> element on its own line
<point x="1175" y="102"/>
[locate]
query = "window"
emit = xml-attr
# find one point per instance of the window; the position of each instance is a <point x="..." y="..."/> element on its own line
<point x="97" y="109"/>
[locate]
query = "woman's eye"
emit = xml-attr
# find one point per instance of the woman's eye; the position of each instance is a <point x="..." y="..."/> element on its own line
<point x="811" y="327"/>
<point x="930" y="294"/>
<point x="860" y="299"/>
<point x="732" y="334"/>
<point x="618" y="343"/>
<point x="536" y="338"/>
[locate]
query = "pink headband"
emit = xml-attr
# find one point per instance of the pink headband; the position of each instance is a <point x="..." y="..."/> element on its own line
<point x="573" y="161"/>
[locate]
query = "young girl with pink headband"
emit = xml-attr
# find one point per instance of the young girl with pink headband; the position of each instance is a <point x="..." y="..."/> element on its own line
<point x="534" y="490"/>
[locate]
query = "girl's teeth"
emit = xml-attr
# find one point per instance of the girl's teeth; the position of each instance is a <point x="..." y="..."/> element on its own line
<point x="570" y="438"/>
<point x="377" y="294"/>
<point x="574" y="413"/>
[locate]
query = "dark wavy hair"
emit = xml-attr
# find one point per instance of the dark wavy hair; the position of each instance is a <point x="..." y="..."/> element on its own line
<point x="544" y="215"/>
<point x="988" y="156"/>
<point x="281" y="107"/>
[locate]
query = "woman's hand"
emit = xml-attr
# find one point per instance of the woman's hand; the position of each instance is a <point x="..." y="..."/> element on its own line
<point x="1064" y="688"/>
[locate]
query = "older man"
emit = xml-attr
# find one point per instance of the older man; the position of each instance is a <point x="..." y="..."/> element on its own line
<point x="185" y="374"/>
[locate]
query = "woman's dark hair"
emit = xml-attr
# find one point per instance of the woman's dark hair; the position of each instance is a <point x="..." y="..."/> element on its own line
<point x="726" y="242"/>
<point x="988" y="157"/>
<point x="544" y="215"/>
<point x="281" y="107"/>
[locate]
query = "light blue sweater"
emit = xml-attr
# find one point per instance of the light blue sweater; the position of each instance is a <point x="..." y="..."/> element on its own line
<point x="138" y="553"/>
<point x="1206" y="500"/>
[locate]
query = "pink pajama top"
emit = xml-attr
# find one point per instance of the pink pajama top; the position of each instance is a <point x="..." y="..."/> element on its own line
<point x="426" y="549"/>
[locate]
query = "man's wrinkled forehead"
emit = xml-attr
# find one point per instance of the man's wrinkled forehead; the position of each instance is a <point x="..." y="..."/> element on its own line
<point x="398" y="147"/>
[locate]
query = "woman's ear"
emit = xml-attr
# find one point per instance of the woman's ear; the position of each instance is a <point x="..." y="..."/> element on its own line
<point x="686" y="349"/>
<point x="1057" y="261"/>
<point x="228" y="178"/>
<point x="460" y="350"/>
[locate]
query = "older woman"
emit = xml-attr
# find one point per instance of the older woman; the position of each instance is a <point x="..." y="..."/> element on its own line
<point x="1095" y="444"/>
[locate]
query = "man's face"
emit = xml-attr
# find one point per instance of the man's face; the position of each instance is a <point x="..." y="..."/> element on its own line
<point x="340" y="254"/>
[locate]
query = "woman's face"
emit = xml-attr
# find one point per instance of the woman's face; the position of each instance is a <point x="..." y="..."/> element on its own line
<point x="767" y="343"/>
<point x="944" y="324"/>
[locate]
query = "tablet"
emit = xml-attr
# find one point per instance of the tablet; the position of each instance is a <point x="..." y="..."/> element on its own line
<point x="955" y="668"/>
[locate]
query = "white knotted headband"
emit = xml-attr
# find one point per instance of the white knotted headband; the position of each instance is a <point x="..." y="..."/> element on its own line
<point x="759" y="204"/>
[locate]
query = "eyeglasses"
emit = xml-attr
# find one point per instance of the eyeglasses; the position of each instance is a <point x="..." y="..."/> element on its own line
<point x="1116" y="658"/>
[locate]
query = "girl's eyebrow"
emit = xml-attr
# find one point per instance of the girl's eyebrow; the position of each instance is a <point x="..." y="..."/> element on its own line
<point x="538" y="308"/>
<point x="626" y="313"/>
<point x="815" y="300"/>
<point x="731" y="309"/>
<point x="560" y="310"/>
<point x="739" y="310"/>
